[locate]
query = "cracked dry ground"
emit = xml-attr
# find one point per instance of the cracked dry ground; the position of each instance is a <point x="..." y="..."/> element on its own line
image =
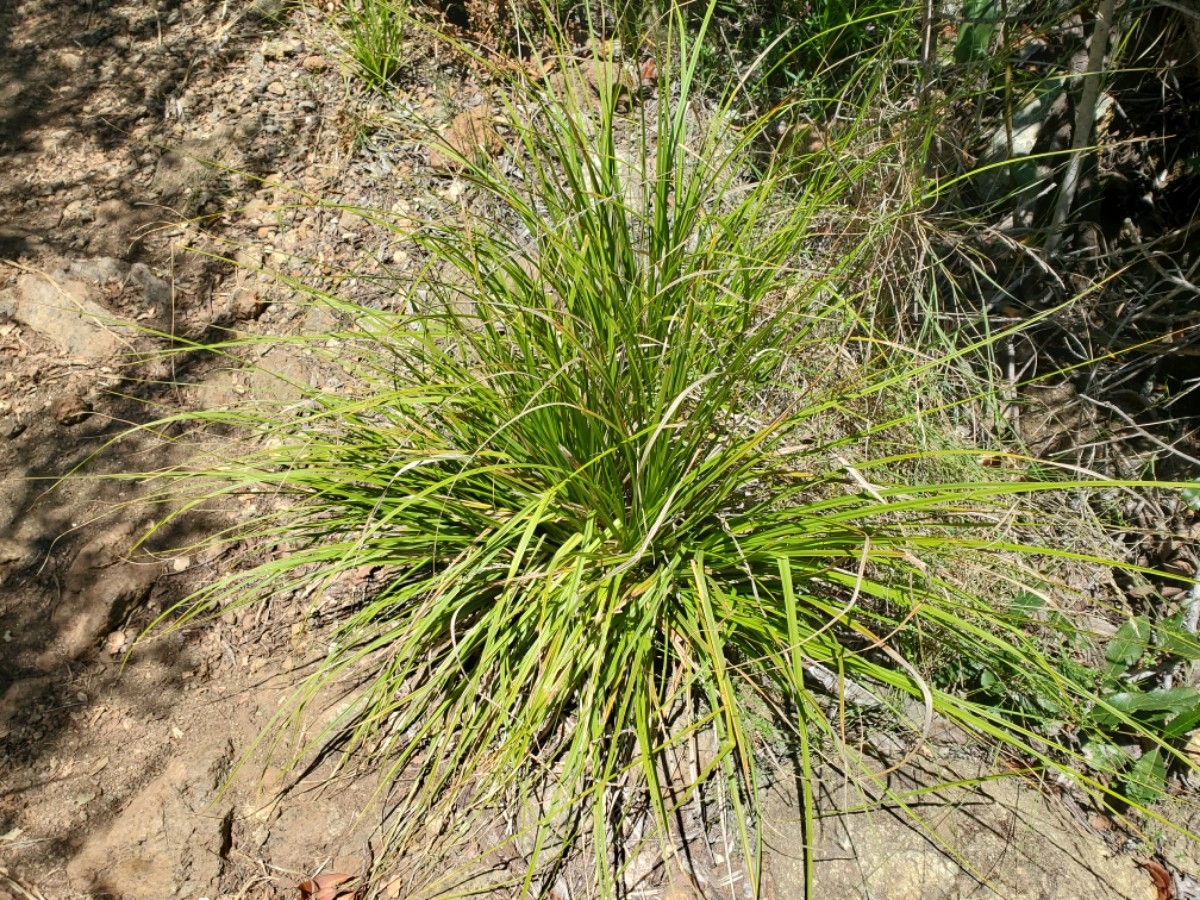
<point x="111" y="769"/>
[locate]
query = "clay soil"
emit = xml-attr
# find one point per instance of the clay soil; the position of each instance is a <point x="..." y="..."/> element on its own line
<point x="110" y="763"/>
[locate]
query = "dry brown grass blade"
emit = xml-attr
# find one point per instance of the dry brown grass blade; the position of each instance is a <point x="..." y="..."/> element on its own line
<point x="17" y="889"/>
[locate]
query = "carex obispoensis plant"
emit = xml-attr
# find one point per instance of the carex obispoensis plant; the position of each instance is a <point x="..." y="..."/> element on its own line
<point x="611" y="462"/>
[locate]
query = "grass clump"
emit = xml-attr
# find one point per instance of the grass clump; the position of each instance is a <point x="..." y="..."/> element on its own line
<point x="615" y="460"/>
<point x="374" y="31"/>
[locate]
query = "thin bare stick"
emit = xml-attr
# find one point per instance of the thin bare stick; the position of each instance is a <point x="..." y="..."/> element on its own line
<point x="928" y="48"/>
<point x="841" y="687"/>
<point x="1142" y="432"/>
<point x="1189" y="11"/>
<point x="1085" y="119"/>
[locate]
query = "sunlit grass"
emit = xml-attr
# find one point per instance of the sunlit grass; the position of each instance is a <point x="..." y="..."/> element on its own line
<point x="634" y="461"/>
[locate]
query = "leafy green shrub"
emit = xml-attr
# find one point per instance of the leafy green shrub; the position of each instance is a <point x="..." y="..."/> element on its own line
<point x="622" y="463"/>
<point x="1171" y="713"/>
<point x="1133" y="727"/>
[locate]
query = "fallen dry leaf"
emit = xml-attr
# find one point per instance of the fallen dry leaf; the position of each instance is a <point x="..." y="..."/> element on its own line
<point x="328" y="887"/>
<point x="1162" y="878"/>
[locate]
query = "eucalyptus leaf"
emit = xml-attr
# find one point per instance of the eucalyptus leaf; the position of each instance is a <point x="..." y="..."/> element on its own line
<point x="1183" y="724"/>
<point x="975" y="32"/>
<point x="1177" y="640"/>
<point x="1147" y="779"/>
<point x="1161" y="703"/>
<point x="1191" y="495"/>
<point x="1128" y="645"/>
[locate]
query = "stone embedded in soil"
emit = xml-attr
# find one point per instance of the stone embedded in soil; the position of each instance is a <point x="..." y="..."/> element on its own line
<point x="100" y="269"/>
<point x="115" y="643"/>
<point x="277" y="377"/>
<point x="248" y="303"/>
<point x="100" y="589"/>
<point x="155" y="291"/>
<point x="64" y="304"/>
<point x="72" y="410"/>
<point x="119" y="227"/>
<point x="66" y="311"/>
<point x="267" y="9"/>
<point x="171" y="840"/>
<point x="12" y="552"/>
<point x="1005" y="833"/>
<point x="280" y="49"/>
<point x="471" y="133"/>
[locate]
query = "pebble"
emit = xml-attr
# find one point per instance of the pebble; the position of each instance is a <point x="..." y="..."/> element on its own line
<point x="350" y="222"/>
<point x="276" y="88"/>
<point x="114" y="643"/>
<point x="280" y="49"/>
<point x="72" y="410"/>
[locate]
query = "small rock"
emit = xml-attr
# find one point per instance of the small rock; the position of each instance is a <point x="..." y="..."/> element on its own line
<point x="277" y="88"/>
<point x="471" y="133"/>
<point x="99" y="269"/>
<point x="65" y="310"/>
<point x="13" y="552"/>
<point x="248" y="305"/>
<point x="260" y="835"/>
<point x="69" y="60"/>
<point x="247" y="127"/>
<point x="72" y="410"/>
<point x="314" y="63"/>
<point x="100" y="588"/>
<point x="350" y="222"/>
<point x="280" y="49"/>
<point x="156" y="292"/>
<point x="267" y="9"/>
<point x="114" y="643"/>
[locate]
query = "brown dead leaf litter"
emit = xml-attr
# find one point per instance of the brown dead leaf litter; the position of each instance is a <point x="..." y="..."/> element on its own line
<point x="112" y="769"/>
